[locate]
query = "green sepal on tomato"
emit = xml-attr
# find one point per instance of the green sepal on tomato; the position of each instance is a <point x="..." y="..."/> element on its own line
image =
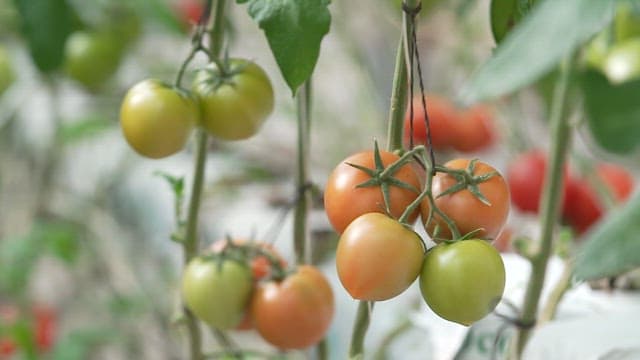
<point x="469" y="213"/>
<point x="462" y="281"/>
<point x="378" y="258"/>
<point x="296" y="312"/>
<point x="345" y="198"/>
<point x="235" y="101"/>
<point x="217" y="290"/>
<point x="157" y="119"/>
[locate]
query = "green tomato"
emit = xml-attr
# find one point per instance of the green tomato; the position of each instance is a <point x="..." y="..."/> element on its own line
<point x="91" y="58"/>
<point x="623" y="61"/>
<point x="157" y="119"/>
<point x="234" y="102"/>
<point x="6" y="71"/>
<point x="627" y="21"/>
<point x="462" y="281"/>
<point x="217" y="291"/>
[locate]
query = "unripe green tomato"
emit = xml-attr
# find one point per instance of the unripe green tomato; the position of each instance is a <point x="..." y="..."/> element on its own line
<point x="462" y="281"/>
<point x="235" y="102"/>
<point x="157" y="119"/>
<point x="217" y="291"/>
<point x="6" y="71"/>
<point x="627" y="21"/>
<point x="623" y="61"/>
<point x="91" y="58"/>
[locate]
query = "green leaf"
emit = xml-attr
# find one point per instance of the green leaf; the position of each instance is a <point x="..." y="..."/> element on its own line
<point x="61" y="239"/>
<point x="552" y="30"/>
<point x="614" y="246"/>
<point x="46" y="25"/>
<point x="612" y="112"/>
<point x="294" y="30"/>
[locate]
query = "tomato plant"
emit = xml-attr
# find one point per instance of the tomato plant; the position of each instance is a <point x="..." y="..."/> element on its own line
<point x="296" y="312"/>
<point x="91" y="58"/>
<point x="464" y="207"/>
<point x="344" y="200"/>
<point x="462" y="281"/>
<point x="378" y="258"/>
<point x="6" y="71"/>
<point x="236" y="100"/>
<point x="217" y="290"/>
<point x="473" y="129"/>
<point x="442" y="113"/>
<point x="583" y="206"/>
<point x="157" y="119"/>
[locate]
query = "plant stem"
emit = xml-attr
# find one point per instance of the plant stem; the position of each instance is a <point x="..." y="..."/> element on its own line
<point x="398" y="103"/>
<point x="561" y="132"/>
<point x="564" y="283"/>
<point x="190" y="244"/>
<point x="363" y="316"/>
<point x="300" y="229"/>
<point x="394" y="142"/>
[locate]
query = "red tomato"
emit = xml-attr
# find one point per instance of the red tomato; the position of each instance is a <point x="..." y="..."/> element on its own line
<point x="344" y="201"/>
<point x="378" y="258"/>
<point x="44" y="327"/>
<point x="7" y="347"/>
<point x="583" y="207"/>
<point x="474" y="129"/>
<point x="189" y="11"/>
<point x="465" y="209"/>
<point x="296" y="312"/>
<point x="526" y="175"/>
<point x="503" y="241"/>
<point x="441" y="112"/>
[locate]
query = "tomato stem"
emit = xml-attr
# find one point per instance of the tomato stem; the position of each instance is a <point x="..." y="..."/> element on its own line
<point x="300" y="222"/>
<point x="360" y="327"/>
<point x="561" y="131"/>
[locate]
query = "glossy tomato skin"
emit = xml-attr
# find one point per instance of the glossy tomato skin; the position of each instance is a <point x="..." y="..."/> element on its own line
<point x="466" y="210"/>
<point x="344" y="202"/>
<point x="91" y="58"/>
<point x="234" y="107"/>
<point x="442" y="113"/>
<point x="156" y="119"/>
<point x="378" y="258"/>
<point x="474" y="129"/>
<point x="463" y="281"/>
<point x="583" y="207"/>
<point x="296" y="312"/>
<point x="217" y="293"/>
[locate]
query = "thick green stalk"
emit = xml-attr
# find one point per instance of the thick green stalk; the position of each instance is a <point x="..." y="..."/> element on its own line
<point x="300" y="228"/>
<point x="190" y="244"/>
<point x="551" y="200"/>
<point x="394" y="142"/>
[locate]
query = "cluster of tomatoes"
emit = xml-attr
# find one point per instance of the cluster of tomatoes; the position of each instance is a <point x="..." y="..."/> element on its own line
<point x="615" y="50"/>
<point x="245" y="285"/>
<point x="464" y="130"/>
<point x="373" y="197"/>
<point x="42" y="323"/>
<point x="582" y="204"/>
<point x="230" y="100"/>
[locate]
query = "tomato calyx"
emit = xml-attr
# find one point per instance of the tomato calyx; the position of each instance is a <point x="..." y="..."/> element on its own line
<point x="384" y="177"/>
<point x="243" y="253"/>
<point x="222" y="73"/>
<point x="466" y="180"/>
